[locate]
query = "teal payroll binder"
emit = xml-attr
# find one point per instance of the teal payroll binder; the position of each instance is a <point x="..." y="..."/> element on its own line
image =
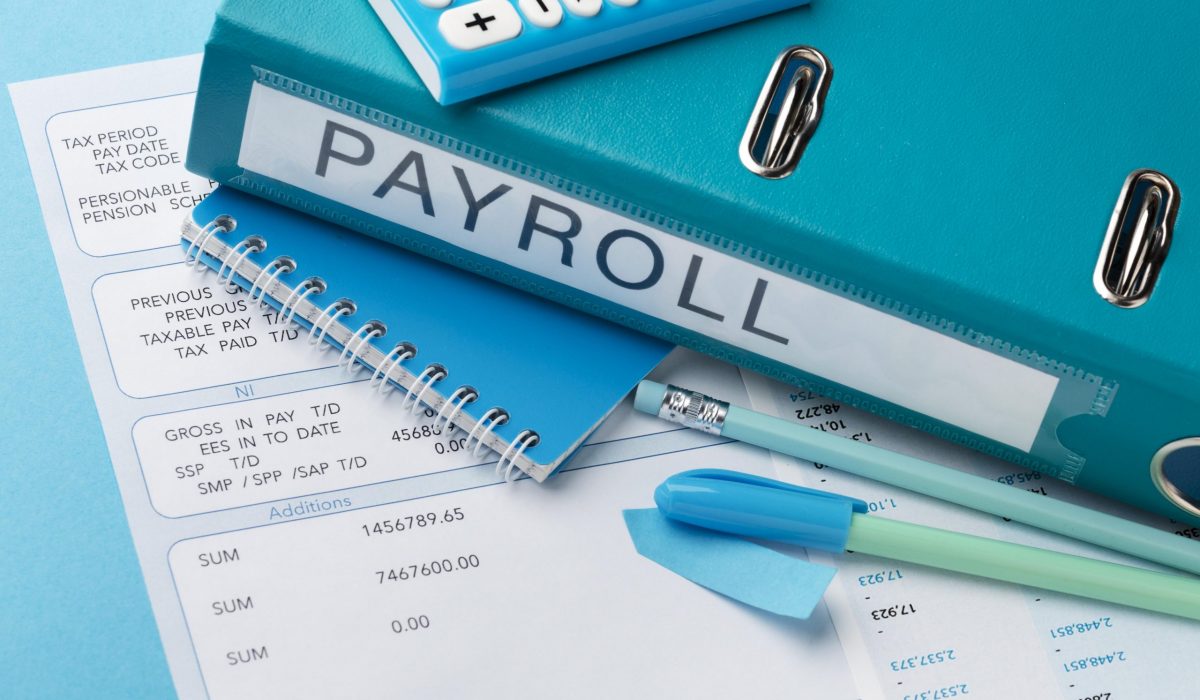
<point x="512" y="372"/>
<point x="970" y="217"/>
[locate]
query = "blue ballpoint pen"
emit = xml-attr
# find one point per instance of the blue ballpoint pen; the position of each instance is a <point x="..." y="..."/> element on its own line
<point x="752" y="506"/>
<point x="695" y="410"/>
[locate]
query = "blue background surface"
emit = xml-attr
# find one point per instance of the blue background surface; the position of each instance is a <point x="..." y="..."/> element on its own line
<point x="74" y="617"/>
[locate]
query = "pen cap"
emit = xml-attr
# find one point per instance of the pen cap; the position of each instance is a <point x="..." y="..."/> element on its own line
<point x="752" y="506"/>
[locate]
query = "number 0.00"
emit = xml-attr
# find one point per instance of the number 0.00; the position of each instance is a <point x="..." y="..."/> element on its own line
<point x="454" y="445"/>
<point x="412" y="624"/>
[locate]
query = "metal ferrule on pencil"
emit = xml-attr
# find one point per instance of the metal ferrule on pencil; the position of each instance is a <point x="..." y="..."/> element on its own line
<point x="693" y="410"/>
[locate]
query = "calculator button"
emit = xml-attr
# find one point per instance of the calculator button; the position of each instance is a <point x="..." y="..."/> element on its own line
<point x="435" y="3"/>
<point x="622" y="3"/>
<point x="479" y="24"/>
<point x="583" y="8"/>
<point x="543" y="13"/>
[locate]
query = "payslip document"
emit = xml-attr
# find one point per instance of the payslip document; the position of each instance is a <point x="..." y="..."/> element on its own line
<point x="302" y="536"/>
<point x="381" y="559"/>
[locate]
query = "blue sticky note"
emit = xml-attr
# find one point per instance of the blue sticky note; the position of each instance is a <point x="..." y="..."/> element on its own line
<point x="729" y="565"/>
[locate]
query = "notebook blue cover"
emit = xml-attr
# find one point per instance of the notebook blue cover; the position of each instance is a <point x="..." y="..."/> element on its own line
<point x="931" y="257"/>
<point x="528" y="378"/>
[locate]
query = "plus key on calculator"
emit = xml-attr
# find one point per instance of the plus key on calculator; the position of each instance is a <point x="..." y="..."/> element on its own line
<point x="466" y="48"/>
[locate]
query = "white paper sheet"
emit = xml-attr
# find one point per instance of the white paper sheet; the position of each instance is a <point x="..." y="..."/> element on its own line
<point x="368" y="566"/>
<point x="914" y="633"/>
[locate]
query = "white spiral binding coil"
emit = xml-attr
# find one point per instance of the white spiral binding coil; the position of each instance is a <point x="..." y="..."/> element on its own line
<point x="343" y="309"/>
<point x="376" y="331"/>
<point x="224" y="224"/>
<point x="352" y="350"/>
<point x="278" y="265"/>
<point x="402" y="352"/>
<point x="464" y="395"/>
<point x="496" y="416"/>
<point x="524" y="440"/>
<point x="422" y="377"/>
<point x="439" y="373"/>
<point x="286" y="314"/>
<point x="250" y="245"/>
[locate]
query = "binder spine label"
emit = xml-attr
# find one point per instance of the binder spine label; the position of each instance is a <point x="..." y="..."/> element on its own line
<point x="515" y="215"/>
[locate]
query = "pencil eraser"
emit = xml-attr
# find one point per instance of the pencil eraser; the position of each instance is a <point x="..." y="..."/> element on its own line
<point x="648" y="397"/>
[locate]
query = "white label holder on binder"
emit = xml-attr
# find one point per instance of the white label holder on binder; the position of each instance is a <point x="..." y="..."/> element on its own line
<point x="956" y="381"/>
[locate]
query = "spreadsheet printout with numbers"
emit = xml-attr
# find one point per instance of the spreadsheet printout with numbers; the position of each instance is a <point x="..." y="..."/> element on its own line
<point x="385" y="560"/>
<point x="915" y="633"/>
<point x="301" y="536"/>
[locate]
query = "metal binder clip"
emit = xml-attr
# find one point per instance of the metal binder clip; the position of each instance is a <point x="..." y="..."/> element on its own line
<point x="786" y="115"/>
<point x="1138" y="238"/>
<point x="1175" y="470"/>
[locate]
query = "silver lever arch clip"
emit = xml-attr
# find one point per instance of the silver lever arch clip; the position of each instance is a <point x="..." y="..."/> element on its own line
<point x="786" y="115"/>
<point x="1138" y="239"/>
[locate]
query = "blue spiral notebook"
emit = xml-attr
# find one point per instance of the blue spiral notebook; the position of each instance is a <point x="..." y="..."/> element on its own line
<point x="527" y="378"/>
